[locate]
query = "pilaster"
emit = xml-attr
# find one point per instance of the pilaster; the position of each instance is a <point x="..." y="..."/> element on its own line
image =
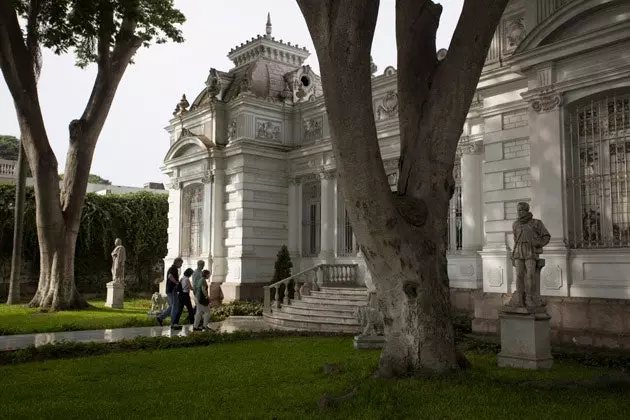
<point x="547" y="173"/>
<point x="206" y="238"/>
<point x="219" y="262"/>
<point x="174" y="226"/>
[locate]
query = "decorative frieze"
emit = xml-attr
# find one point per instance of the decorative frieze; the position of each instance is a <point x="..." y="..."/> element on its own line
<point x="515" y="32"/>
<point x="547" y="102"/>
<point x="388" y="108"/>
<point x="470" y="148"/>
<point x="268" y="130"/>
<point x="313" y="129"/>
<point x="196" y="168"/>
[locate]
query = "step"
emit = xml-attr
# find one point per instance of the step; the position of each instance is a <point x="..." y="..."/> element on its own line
<point x="292" y="309"/>
<point x="358" y="291"/>
<point x="314" y="306"/>
<point x="315" y="317"/>
<point x="336" y="301"/>
<point x="290" y="324"/>
<point x="334" y="295"/>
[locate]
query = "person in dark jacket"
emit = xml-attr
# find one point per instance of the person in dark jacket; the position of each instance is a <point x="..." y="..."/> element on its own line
<point x="172" y="281"/>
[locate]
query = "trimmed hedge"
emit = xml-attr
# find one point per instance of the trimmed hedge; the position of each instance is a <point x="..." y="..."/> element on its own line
<point x="139" y="219"/>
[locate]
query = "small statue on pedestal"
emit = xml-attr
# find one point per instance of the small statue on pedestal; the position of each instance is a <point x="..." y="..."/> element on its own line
<point x="119" y="256"/>
<point x="530" y="236"/>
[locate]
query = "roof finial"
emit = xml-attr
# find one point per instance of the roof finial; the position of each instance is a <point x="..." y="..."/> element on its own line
<point x="268" y="31"/>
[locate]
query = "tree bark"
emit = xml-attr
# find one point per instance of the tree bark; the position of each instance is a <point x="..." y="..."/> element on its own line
<point x="18" y="228"/>
<point x="402" y="235"/>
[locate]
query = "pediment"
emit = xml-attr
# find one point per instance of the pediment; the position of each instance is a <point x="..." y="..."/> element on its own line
<point x="576" y="18"/>
<point x="187" y="146"/>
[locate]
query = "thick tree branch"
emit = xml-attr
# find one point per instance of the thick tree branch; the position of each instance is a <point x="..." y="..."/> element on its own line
<point x="106" y="28"/>
<point x="32" y="37"/>
<point x="416" y="26"/>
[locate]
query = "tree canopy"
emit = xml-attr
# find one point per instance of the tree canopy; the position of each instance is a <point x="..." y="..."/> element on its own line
<point x="9" y="147"/>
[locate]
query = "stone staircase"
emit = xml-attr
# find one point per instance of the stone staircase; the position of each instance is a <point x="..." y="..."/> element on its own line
<point x="324" y="298"/>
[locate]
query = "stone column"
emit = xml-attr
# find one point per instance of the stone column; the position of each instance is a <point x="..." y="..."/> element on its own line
<point x="548" y="193"/>
<point x="295" y="217"/>
<point x="219" y="262"/>
<point x="174" y="226"/>
<point x="472" y="197"/>
<point x="327" y="221"/>
<point x="206" y="238"/>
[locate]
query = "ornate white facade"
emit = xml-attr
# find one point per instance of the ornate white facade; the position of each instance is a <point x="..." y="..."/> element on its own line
<point x="550" y="125"/>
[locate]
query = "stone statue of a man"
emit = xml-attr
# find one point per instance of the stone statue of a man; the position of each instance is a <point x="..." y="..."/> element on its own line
<point x="119" y="255"/>
<point x="530" y="236"/>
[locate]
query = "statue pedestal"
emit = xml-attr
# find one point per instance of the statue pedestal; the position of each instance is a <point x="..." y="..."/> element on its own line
<point x="115" y="295"/>
<point x="525" y="339"/>
<point x="369" y="342"/>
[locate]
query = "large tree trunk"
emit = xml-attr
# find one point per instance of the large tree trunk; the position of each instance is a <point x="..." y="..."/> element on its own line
<point x="18" y="228"/>
<point x="402" y="235"/>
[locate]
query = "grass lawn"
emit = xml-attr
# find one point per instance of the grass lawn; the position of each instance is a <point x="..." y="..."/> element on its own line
<point x="18" y="319"/>
<point x="284" y="378"/>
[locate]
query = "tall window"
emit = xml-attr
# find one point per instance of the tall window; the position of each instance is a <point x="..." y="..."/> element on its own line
<point x="192" y="220"/>
<point x="598" y="135"/>
<point x="346" y="243"/>
<point x="311" y="213"/>
<point x="454" y="220"/>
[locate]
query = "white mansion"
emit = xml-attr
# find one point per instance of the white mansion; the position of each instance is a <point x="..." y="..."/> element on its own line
<point x="250" y="166"/>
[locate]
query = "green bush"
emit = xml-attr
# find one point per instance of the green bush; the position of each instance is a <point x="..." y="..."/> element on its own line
<point x="139" y="219"/>
<point x="236" y="308"/>
<point x="282" y="270"/>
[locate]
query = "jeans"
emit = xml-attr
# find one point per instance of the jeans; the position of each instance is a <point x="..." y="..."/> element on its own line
<point x="183" y="299"/>
<point x="168" y="311"/>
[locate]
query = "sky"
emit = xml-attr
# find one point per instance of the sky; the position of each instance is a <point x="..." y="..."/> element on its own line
<point x="133" y="142"/>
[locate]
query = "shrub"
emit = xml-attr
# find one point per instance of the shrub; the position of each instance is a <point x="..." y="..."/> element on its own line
<point x="282" y="270"/>
<point x="237" y="308"/>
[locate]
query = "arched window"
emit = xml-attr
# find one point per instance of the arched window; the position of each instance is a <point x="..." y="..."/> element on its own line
<point x="192" y="220"/>
<point x="598" y="137"/>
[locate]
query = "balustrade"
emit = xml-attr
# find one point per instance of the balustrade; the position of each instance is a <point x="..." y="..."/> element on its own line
<point x="317" y="276"/>
<point x="7" y="168"/>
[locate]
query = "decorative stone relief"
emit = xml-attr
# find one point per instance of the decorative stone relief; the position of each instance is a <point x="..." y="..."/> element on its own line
<point x="327" y="174"/>
<point x="313" y="129"/>
<point x="208" y="177"/>
<point x="389" y="71"/>
<point x="174" y="184"/>
<point x="192" y="169"/>
<point x="268" y="130"/>
<point x="213" y="84"/>
<point x="389" y="107"/>
<point x="370" y="319"/>
<point x="553" y="278"/>
<point x="515" y="32"/>
<point x="182" y="106"/>
<point x="471" y="148"/>
<point x="546" y="101"/>
<point x="231" y="131"/>
<point x="309" y="178"/>
<point x="390" y="164"/>
<point x="495" y="277"/>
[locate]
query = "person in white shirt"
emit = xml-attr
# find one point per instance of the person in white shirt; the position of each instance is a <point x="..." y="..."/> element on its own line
<point x="184" y="297"/>
<point x="202" y="297"/>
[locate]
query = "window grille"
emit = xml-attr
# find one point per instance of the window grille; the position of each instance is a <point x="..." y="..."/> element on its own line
<point x="598" y="136"/>
<point x="346" y="242"/>
<point x="454" y="218"/>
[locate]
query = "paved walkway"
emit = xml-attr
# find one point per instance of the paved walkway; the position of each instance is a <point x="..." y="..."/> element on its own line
<point x="234" y="323"/>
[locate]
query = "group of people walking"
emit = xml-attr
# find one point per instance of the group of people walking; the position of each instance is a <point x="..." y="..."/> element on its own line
<point x="178" y="296"/>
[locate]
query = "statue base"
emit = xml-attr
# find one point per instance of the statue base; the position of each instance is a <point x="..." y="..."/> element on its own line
<point x="115" y="295"/>
<point x="525" y="338"/>
<point x="369" y="342"/>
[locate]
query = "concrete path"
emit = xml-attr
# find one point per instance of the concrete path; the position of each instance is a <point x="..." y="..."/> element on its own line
<point x="233" y="323"/>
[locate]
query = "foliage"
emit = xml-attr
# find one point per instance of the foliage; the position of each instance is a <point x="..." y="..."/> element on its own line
<point x="282" y="270"/>
<point x="132" y="383"/>
<point x="76" y="24"/>
<point x="94" y="179"/>
<point x="236" y="308"/>
<point x="19" y="319"/>
<point x="139" y="219"/>
<point x="9" y="147"/>
<point x="283" y="265"/>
